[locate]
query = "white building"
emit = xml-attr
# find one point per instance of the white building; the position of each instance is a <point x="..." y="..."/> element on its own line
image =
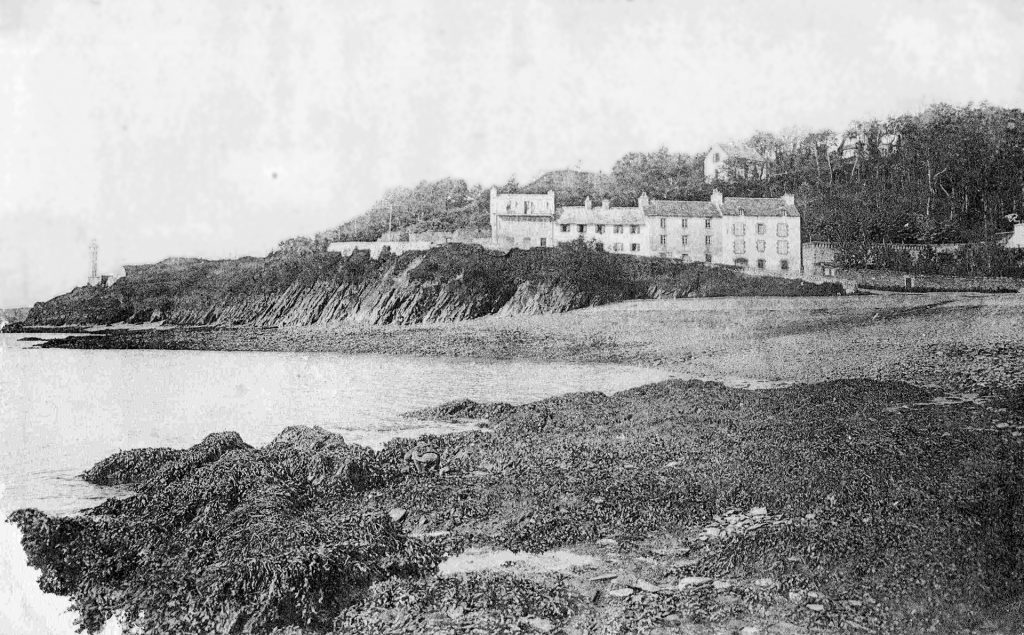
<point x="734" y="161"/>
<point x="760" y="233"/>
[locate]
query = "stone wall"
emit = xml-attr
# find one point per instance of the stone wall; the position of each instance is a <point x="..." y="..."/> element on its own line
<point x="884" y="280"/>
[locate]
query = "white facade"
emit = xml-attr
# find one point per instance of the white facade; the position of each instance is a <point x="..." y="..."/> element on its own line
<point x="761" y="234"/>
<point x="522" y="220"/>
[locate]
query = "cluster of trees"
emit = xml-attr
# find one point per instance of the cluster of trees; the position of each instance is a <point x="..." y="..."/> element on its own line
<point x="948" y="174"/>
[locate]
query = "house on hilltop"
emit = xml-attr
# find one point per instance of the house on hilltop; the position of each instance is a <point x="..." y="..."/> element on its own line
<point x="734" y="161"/>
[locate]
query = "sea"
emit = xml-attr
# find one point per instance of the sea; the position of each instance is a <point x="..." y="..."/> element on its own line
<point x="62" y="410"/>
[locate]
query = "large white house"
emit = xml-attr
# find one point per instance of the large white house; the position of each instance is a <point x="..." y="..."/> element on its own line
<point x="760" y="233"/>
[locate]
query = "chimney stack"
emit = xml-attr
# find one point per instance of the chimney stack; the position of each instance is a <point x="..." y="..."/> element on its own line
<point x="587" y="203"/>
<point x="605" y="203"/>
<point x="716" y="197"/>
<point x="643" y="201"/>
<point x="789" y="200"/>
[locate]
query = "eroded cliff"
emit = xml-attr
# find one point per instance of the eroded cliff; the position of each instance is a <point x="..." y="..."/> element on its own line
<point x="445" y="284"/>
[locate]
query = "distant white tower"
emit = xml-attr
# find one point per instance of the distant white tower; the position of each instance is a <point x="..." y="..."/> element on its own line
<point x="94" y="250"/>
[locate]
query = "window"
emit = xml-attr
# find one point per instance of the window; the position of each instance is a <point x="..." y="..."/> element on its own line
<point x="634" y="247"/>
<point x="707" y="257"/>
<point x="718" y="157"/>
<point x="634" y="229"/>
<point x="663" y="240"/>
<point x="784" y="265"/>
<point x="618" y="229"/>
<point x="580" y="228"/>
<point x="663" y="222"/>
<point x="685" y="239"/>
<point x="740" y="262"/>
<point x="739" y="229"/>
<point x="761" y="229"/>
<point x="599" y="228"/>
<point x="526" y="243"/>
<point x="707" y="223"/>
<point x="739" y="246"/>
<point x="760" y="246"/>
<point x="684" y="223"/>
<point x="760" y="263"/>
<point x="543" y="242"/>
<point x="782" y="247"/>
<point x="565" y="228"/>
<point x="707" y="240"/>
<point x="685" y="257"/>
<point x="782" y="229"/>
<point x="617" y="247"/>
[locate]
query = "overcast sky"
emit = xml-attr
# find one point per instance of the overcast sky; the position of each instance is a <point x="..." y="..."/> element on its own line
<point x="216" y="129"/>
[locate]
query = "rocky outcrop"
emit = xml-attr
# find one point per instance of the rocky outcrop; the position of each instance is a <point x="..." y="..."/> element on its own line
<point x="445" y="284"/>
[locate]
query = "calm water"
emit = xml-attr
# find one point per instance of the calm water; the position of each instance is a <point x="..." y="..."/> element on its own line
<point x="63" y="410"/>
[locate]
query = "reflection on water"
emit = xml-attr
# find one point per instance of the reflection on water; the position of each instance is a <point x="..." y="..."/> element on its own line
<point x="63" y="410"/>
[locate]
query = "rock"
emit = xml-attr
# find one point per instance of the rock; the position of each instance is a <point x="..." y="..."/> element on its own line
<point x="855" y="603"/>
<point x="693" y="581"/>
<point x="624" y="592"/>
<point x="786" y="628"/>
<point x="398" y="514"/>
<point x="456" y="612"/>
<point x="817" y="608"/>
<point x="685" y="563"/>
<point x="750" y="630"/>
<point x="644" y="585"/>
<point x="603" y="577"/>
<point x="1002" y="426"/>
<point x="607" y="542"/>
<point x="796" y="597"/>
<point x="539" y="624"/>
<point x="722" y="585"/>
<point x="765" y="582"/>
<point x="758" y="511"/>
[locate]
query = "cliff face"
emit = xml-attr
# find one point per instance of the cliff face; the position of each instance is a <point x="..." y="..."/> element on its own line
<point x="445" y="284"/>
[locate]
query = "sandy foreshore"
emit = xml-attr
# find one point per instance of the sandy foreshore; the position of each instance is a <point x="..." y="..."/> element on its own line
<point x="966" y="342"/>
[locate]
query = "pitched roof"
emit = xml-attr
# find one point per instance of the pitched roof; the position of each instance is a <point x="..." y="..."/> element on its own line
<point x="696" y="209"/>
<point x="740" y="206"/>
<point x="741" y="151"/>
<point x="598" y="215"/>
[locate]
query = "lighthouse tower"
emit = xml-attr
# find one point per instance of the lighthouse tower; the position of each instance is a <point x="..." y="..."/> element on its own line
<point x="94" y="250"/>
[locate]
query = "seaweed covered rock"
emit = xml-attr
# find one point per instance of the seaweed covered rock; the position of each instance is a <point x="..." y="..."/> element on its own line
<point x="133" y="467"/>
<point x="129" y="467"/>
<point x="462" y="410"/>
<point x="227" y="538"/>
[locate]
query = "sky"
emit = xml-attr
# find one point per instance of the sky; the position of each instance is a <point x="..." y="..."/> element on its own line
<point x="217" y="129"/>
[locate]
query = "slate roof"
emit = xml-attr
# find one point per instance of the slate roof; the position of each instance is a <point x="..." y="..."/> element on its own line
<point x="597" y="215"/>
<point x="740" y="206"/>
<point x="741" y="151"/>
<point x="689" y="209"/>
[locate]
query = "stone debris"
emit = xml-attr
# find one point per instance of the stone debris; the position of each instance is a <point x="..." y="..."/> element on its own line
<point x="607" y="542"/>
<point x="623" y="592"/>
<point x="722" y="585"/>
<point x="398" y="514"/>
<point x="693" y="581"/>
<point x="604" y="577"/>
<point x="817" y="608"/>
<point x="539" y="624"/>
<point x="644" y="585"/>
<point x="735" y="522"/>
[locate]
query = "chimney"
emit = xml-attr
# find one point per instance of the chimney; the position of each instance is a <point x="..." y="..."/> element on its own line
<point x="605" y="203"/>
<point x="643" y="201"/>
<point x="587" y="203"/>
<point x="788" y="200"/>
<point x="494" y="192"/>
<point x="716" y="198"/>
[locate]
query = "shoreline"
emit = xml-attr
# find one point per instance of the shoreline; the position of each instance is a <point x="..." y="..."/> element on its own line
<point x="605" y="510"/>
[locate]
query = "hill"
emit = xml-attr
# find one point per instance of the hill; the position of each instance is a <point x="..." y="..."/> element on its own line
<point x="445" y="284"/>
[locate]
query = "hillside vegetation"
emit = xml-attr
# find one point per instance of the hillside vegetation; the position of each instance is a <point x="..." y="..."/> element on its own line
<point x="947" y="174"/>
<point x="445" y="284"/>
